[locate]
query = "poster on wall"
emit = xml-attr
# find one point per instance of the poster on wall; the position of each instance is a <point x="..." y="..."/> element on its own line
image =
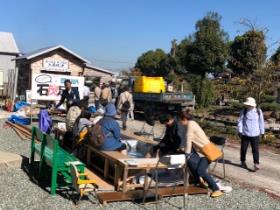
<point x="49" y="87"/>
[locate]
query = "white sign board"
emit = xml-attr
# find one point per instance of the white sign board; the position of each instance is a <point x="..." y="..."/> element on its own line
<point x="28" y="96"/>
<point x="49" y="87"/>
<point x="1" y="78"/>
<point x="56" y="65"/>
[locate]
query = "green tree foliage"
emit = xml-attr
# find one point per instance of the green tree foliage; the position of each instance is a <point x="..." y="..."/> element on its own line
<point x="204" y="52"/>
<point x="247" y="52"/>
<point x="207" y="50"/>
<point x="153" y="63"/>
<point x="275" y="58"/>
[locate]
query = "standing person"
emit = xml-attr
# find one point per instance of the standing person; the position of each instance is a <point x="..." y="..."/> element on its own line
<point x="196" y="138"/>
<point x="250" y="127"/>
<point x="86" y="90"/>
<point x="97" y="95"/>
<point x="114" y="91"/>
<point x="70" y="94"/>
<point x="91" y="100"/>
<point x="106" y="93"/>
<point x="125" y="105"/>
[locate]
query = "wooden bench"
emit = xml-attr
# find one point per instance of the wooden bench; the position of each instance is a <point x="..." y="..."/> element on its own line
<point x="51" y="154"/>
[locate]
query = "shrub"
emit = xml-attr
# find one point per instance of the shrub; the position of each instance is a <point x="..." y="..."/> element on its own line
<point x="236" y="105"/>
<point x="270" y="106"/>
<point x="231" y="130"/>
<point x="268" y="99"/>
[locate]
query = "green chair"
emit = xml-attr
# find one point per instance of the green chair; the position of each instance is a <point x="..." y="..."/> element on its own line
<point x="36" y="147"/>
<point x="59" y="160"/>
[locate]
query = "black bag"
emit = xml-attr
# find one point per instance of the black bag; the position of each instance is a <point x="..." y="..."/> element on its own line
<point x="125" y="106"/>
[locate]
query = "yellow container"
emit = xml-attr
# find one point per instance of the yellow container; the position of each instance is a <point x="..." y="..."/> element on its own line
<point x="144" y="84"/>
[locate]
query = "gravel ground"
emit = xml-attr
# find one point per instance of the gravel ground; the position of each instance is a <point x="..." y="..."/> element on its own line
<point x="18" y="191"/>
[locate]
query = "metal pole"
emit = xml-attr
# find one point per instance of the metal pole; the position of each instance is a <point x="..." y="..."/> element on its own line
<point x="15" y="84"/>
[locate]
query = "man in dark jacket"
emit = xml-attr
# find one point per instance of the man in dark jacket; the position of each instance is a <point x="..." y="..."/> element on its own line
<point x="70" y="94"/>
<point x="173" y="138"/>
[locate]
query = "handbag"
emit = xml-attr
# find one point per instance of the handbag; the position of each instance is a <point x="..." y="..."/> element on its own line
<point x="211" y="152"/>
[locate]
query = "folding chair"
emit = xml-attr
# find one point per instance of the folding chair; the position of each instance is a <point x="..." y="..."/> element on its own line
<point x="81" y="182"/>
<point x="221" y="142"/>
<point x="173" y="162"/>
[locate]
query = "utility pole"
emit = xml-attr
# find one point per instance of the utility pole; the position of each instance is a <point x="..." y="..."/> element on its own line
<point x="173" y="48"/>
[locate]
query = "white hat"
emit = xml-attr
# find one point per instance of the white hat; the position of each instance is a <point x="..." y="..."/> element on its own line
<point x="250" y="102"/>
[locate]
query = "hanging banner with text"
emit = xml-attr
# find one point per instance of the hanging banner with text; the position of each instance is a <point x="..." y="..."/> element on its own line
<point x="49" y="87"/>
<point x="56" y="65"/>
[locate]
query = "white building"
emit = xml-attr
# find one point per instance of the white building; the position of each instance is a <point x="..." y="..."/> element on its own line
<point x="8" y="52"/>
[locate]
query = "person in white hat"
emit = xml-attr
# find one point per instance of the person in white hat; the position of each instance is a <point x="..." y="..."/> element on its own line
<point x="250" y="128"/>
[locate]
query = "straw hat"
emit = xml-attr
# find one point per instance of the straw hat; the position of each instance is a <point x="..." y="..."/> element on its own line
<point x="250" y="102"/>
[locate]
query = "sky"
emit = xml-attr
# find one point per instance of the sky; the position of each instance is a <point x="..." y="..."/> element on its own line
<point x="112" y="34"/>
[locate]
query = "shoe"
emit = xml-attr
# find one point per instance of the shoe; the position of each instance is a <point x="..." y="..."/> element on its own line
<point x="257" y="167"/>
<point x="244" y="165"/>
<point x="216" y="194"/>
<point x="202" y="183"/>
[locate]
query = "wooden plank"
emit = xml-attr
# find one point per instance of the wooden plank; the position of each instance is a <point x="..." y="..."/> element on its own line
<point x="113" y="156"/>
<point x="101" y="183"/>
<point x="126" y="134"/>
<point x="106" y="168"/>
<point x="107" y="197"/>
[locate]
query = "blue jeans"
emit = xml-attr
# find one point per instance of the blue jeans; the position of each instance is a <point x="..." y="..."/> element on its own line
<point x="198" y="167"/>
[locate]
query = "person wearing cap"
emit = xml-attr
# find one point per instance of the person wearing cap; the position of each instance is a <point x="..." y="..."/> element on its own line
<point x="111" y="130"/>
<point x="250" y="128"/>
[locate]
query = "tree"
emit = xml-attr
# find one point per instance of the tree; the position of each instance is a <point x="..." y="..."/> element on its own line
<point x="131" y="72"/>
<point x="205" y="52"/>
<point x="275" y="58"/>
<point x="153" y="63"/>
<point x="262" y="81"/>
<point x="247" y="52"/>
<point x="208" y="51"/>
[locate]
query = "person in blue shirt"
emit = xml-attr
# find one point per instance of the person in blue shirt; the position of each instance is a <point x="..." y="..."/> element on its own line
<point x="111" y="130"/>
<point x="250" y="128"/>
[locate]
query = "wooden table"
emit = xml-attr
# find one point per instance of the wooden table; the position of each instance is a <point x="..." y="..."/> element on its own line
<point x="121" y="164"/>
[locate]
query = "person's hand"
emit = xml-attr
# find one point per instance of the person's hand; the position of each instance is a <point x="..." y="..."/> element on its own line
<point x="262" y="136"/>
<point x="240" y="135"/>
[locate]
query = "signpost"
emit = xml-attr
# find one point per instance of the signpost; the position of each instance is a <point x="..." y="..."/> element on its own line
<point x="48" y="87"/>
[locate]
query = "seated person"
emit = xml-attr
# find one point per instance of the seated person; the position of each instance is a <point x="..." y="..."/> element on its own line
<point x="173" y="138"/>
<point x="111" y="130"/>
<point x="81" y="123"/>
<point x="195" y="137"/>
<point x="73" y="113"/>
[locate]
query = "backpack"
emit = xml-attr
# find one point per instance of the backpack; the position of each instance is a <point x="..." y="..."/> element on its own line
<point x="245" y="112"/>
<point x="126" y="105"/>
<point x="71" y="117"/>
<point x="95" y="136"/>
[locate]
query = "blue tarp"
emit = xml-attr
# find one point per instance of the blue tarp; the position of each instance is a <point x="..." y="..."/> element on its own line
<point x="19" y="120"/>
<point x="19" y="105"/>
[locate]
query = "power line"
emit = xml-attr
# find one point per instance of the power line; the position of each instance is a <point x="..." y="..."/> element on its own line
<point x="111" y="61"/>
